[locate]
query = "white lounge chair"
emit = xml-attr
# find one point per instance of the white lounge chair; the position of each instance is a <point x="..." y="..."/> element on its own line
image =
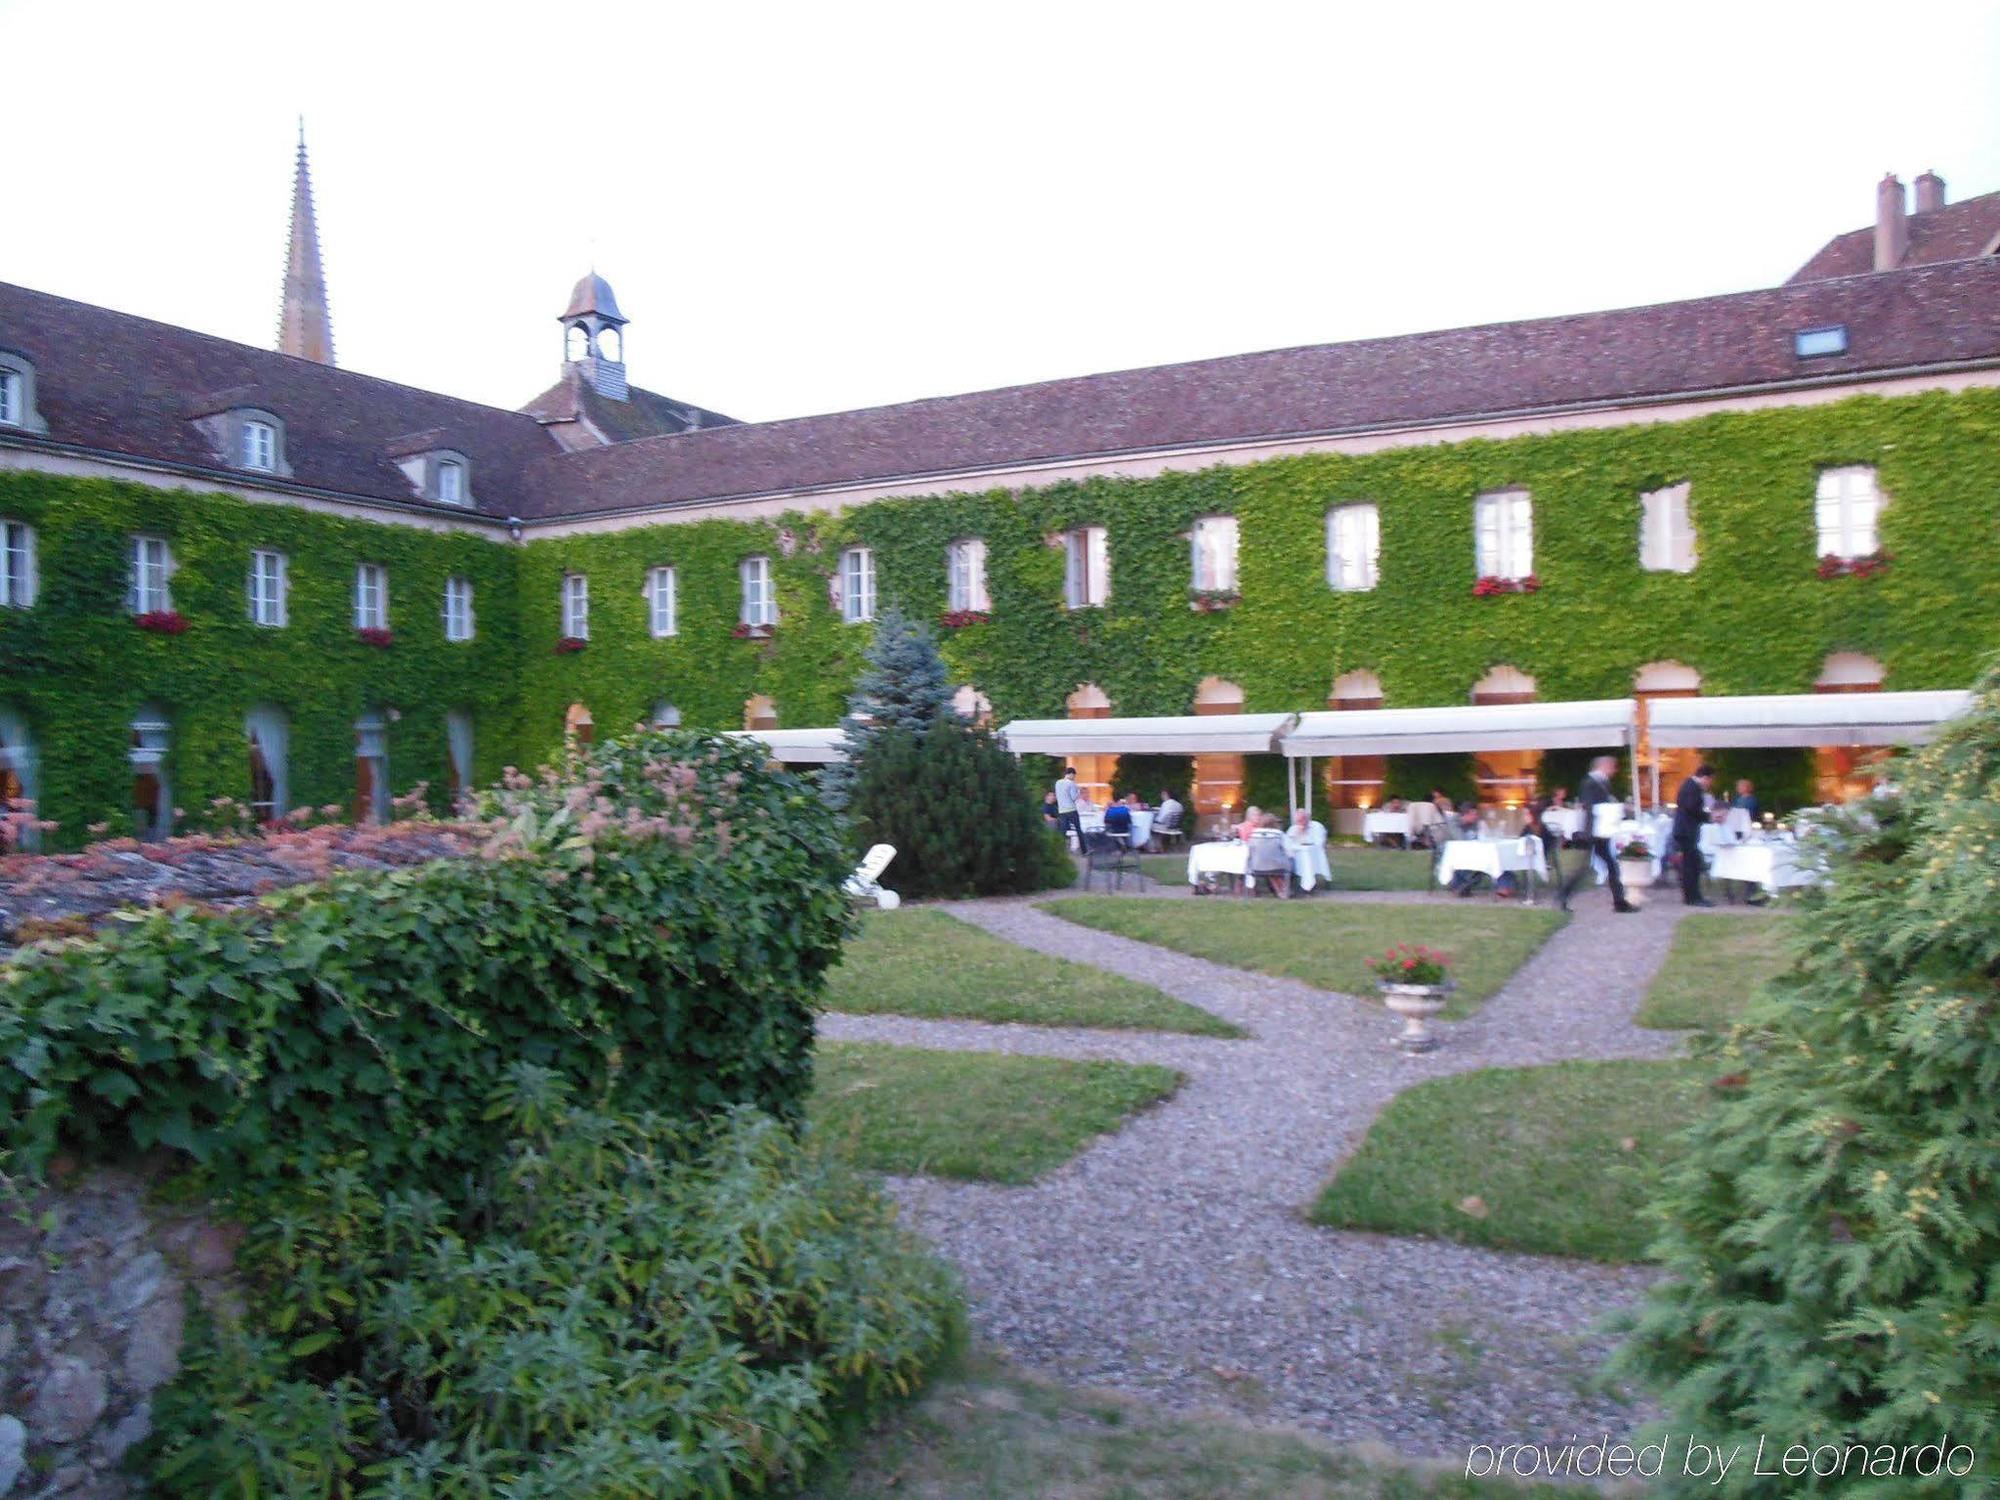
<point x="865" y="883"/>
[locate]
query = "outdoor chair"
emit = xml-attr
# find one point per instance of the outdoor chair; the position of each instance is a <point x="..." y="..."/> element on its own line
<point x="1268" y="860"/>
<point x="1112" y="856"/>
<point x="865" y="883"/>
<point x="1166" y="833"/>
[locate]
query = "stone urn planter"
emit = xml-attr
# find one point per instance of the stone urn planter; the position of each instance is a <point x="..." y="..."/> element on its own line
<point x="1416" y="1004"/>
<point x="1637" y="873"/>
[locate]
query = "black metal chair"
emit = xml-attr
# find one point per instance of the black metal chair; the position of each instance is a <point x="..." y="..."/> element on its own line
<point x="1112" y="856"/>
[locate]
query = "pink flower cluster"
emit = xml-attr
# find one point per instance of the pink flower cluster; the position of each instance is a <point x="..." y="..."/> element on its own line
<point x="162" y="621"/>
<point x="1410" y="963"/>
<point x="1831" y="566"/>
<point x="375" y="635"/>
<point x="569" y="645"/>
<point x="956" y="619"/>
<point x="1490" y="585"/>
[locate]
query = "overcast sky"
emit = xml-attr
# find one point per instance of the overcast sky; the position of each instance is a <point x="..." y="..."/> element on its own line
<point x="807" y="208"/>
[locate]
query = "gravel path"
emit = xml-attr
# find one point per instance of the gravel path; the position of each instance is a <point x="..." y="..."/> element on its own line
<point x="1172" y="1259"/>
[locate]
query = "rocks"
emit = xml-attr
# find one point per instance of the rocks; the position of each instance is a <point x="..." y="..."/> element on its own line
<point x="92" y="1312"/>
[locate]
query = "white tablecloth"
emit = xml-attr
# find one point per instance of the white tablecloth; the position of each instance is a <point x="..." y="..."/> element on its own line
<point x="1377" y="825"/>
<point x="1494" y="857"/>
<point x="1309" y="862"/>
<point x="1563" y="820"/>
<point x="1142" y="826"/>
<point x="1774" y="865"/>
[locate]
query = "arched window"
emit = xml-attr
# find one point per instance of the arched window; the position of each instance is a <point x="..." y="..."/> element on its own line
<point x="578" y="726"/>
<point x="458" y="754"/>
<point x="972" y="705"/>
<point x="152" y="793"/>
<point x="1653" y="769"/>
<point x="19" y="785"/>
<point x="611" y="344"/>
<point x="371" y="768"/>
<point x="1355" y="781"/>
<point x="1505" y="777"/>
<point x="1850" y="672"/>
<point x="1360" y="689"/>
<point x="577" y="342"/>
<point x="1844" y="771"/>
<point x="268" y="736"/>
<point x="1094" y="773"/>
<point x="760" y="712"/>
<point x="1504" y="684"/>
<point x="665" y="715"/>
<point x="1218" y="779"/>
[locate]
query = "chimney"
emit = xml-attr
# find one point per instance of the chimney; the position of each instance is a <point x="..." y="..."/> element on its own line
<point x="1892" y="224"/>
<point x="1930" y="193"/>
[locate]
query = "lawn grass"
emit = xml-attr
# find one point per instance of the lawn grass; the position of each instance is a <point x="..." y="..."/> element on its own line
<point x="1355" y="867"/>
<point x="928" y="963"/>
<point x="989" y="1431"/>
<point x="984" y="1116"/>
<point x="1325" y="944"/>
<point x="1717" y="962"/>
<point x="1555" y="1160"/>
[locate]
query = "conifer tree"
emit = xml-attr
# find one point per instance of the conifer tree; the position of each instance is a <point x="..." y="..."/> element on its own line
<point x="904" y="686"/>
<point x="1832" y="1232"/>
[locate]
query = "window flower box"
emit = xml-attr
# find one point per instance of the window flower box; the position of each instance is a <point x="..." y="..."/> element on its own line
<point x="162" y="621"/>
<point x="375" y="635"/>
<point x="1207" y="601"/>
<point x="753" y="632"/>
<point x="958" y="619"/>
<point x="1489" y="585"/>
<point x="1833" y="566"/>
<point x="569" y="645"/>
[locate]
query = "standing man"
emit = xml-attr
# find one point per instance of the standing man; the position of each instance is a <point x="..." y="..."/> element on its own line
<point x="1066" y="793"/>
<point x="1595" y="792"/>
<point x="1690" y="813"/>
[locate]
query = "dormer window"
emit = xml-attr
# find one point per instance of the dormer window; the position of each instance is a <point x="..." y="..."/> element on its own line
<point x="436" y="471"/>
<point x="451" y="481"/>
<point x="260" y="444"/>
<point x="17" y="394"/>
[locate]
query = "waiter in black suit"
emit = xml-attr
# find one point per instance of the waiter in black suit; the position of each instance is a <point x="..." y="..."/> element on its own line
<point x="1690" y="815"/>
<point x="1596" y="791"/>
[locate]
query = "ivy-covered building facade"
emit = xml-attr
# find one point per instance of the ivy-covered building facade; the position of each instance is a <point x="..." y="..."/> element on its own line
<point x="250" y="574"/>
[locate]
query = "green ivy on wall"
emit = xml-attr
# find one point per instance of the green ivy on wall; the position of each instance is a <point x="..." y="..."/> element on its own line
<point x="77" y="669"/>
<point x="1752" y="617"/>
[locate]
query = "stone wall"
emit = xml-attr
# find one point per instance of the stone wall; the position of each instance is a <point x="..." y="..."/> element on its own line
<point x="91" y="1313"/>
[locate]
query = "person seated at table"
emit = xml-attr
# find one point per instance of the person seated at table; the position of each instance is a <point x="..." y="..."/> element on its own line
<point x="1253" y="819"/>
<point x="1532" y="827"/>
<point x="1746" y="798"/>
<point x="1446" y="811"/>
<point x="1559" y="798"/>
<point x="1168" y="818"/>
<point x="1425" y="823"/>
<point x="1049" y="813"/>
<point x="1307" y="835"/>
<point x="1464" y="824"/>
<point x="1118" y="817"/>
<point x="1269" y="856"/>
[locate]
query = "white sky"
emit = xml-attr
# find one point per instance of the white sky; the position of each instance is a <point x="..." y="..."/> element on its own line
<point x="806" y="208"/>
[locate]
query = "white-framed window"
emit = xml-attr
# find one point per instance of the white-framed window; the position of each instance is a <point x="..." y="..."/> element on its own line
<point x="268" y="586"/>
<point x="267" y="733"/>
<point x="458" y="622"/>
<point x="857" y="585"/>
<point x="576" y="606"/>
<point x="13" y="398"/>
<point x="152" y="565"/>
<point x="1849" y="505"/>
<point x="451" y="481"/>
<point x="371" y="597"/>
<point x="1504" y="534"/>
<point x="965" y="574"/>
<point x="1666" y="530"/>
<point x="260" y="445"/>
<point x="1353" y="547"/>
<point x="17" y="565"/>
<point x="760" y="598"/>
<point x="662" y="603"/>
<point x="1215" y="554"/>
<point x="1087" y="567"/>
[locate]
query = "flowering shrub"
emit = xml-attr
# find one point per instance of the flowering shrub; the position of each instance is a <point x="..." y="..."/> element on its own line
<point x="1203" y="601"/>
<point x="570" y="644"/>
<point x="1833" y="566"/>
<point x="1410" y="963"/>
<point x="375" y="635"/>
<point x="958" y="619"/>
<point x="752" y="632"/>
<point x="162" y="621"/>
<point x="1489" y="585"/>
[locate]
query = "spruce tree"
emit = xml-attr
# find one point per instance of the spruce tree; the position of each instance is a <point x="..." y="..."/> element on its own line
<point x="1832" y="1232"/>
<point x="904" y="686"/>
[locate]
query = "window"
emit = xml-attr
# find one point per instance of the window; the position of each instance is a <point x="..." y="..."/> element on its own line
<point x="152" y="795"/>
<point x="1215" y="554"/>
<point x="965" y="570"/>
<point x="1849" y="505"/>
<point x="857" y="585"/>
<point x="146" y="590"/>
<point x="1087" y="570"/>
<point x="17" y="565"/>
<point x="1353" y="547"/>
<point x="576" y="606"/>
<point x="268" y="583"/>
<point x="260" y="445"/>
<point x="451" y="481"/>
<point x="371" y="769"/>
<point x="662" y="603"/>
<point x="665" y="715"/>
<point x="760" y="601"/>
<point x="1504" y="534"/>
<point x="1666" y="533"/>
<point x="458" y="609"/>
<point x="266" y="731"/>
<point x="458" y="754"/>
<point x="17" y="777"/>
<point x="371" y="597"/>
<point x="1813" y="343"/>
<point x="13" y="401"/>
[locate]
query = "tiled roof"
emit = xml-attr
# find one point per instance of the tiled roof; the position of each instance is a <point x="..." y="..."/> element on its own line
<point x="644" y="414"/>
<point x="1930" y="315"/>
<point x="122" y="384"/>
<point x="1957" y="231"/>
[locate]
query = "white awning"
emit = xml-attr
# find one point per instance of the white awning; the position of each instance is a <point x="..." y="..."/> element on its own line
<point x="1588" y="724"/>
<point x="1797" y="720"/>
<point x="797" y="747"/>
<point x="1193" y="734"/>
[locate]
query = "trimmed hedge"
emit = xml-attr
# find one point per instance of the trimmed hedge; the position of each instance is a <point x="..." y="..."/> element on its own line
<point x="655" y="930"/>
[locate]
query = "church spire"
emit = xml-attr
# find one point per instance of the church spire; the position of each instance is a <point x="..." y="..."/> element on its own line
<point x="305" y="327"/>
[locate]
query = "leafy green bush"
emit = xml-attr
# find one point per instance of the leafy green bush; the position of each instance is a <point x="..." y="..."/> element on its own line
<point x="1832" y="1229"/>
<point x="653" y="925"/>
<point x="641" y="1308"/>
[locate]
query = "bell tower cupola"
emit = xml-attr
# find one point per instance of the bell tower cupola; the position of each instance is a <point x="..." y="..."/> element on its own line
<point x="594" y="337"/>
